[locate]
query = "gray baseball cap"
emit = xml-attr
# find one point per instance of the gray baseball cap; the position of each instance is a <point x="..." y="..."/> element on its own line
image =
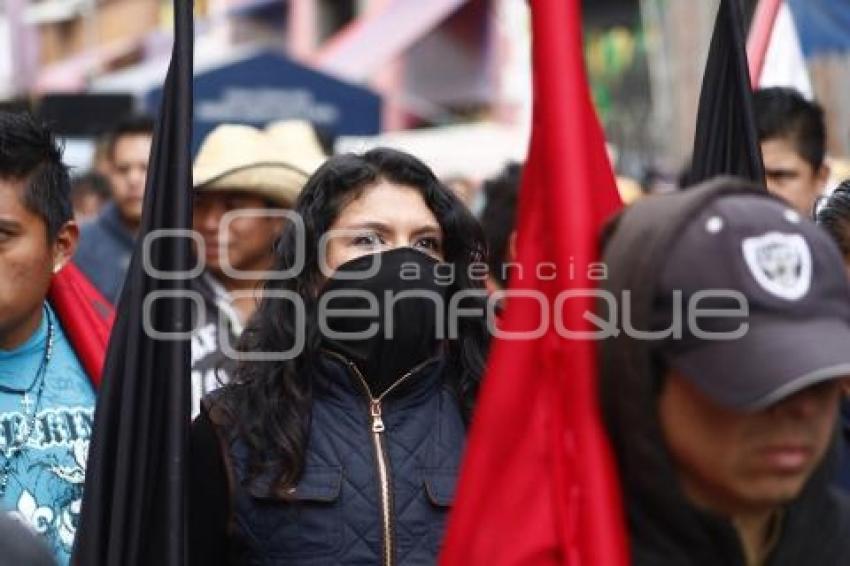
<point x="780" y="295"/>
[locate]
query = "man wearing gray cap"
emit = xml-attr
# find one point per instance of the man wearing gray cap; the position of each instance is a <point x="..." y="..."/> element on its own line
<point x="721" y="394"/>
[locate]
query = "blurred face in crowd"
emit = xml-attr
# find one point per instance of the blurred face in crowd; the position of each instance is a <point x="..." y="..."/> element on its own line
<point x="248" y="238"/>
<point x="465" y="189"/>
<point x="127" y="174"/>
<point x="791" y="177"/>
<point x="731" y="462"/>
<point x="27" y="263"/>
<point x="87" y="206"/>
<point x="385" y="216"/>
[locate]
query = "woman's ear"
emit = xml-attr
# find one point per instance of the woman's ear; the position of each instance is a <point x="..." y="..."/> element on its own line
<point x="65" y="244"/>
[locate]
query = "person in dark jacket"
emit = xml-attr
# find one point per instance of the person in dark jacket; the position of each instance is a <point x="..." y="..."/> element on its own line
<point x="498" y="219"/>
<point x="107" y="242"/>
<point x="340" y="437"/>
<point x="833" y="215"/>
<point x="723" y="421"/>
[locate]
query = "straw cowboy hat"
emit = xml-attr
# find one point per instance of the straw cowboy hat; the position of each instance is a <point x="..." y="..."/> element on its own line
<point x="273" y="163"/>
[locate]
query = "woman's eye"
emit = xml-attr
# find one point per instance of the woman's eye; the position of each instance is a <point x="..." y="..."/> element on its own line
<point x="366" y="240"/>
<point x="432" y="244"/>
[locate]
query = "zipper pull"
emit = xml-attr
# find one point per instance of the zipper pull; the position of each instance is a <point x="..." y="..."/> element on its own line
<point x="377" y="421"/>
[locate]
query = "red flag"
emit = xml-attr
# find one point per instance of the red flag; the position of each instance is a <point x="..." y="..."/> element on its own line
<point x="774" y="50"/>
<point x="86" y="317"/>
<point x="758" y="42"/>
<point x="538" y="485"/>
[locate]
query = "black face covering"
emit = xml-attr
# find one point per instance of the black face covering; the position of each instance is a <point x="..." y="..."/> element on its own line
<point x="414" y="320"/>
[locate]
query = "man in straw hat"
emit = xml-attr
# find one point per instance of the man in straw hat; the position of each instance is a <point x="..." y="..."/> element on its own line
<point x="244" y="179"/>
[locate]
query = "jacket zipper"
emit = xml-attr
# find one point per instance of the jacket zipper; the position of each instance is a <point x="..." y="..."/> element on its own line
<point x="381" y="460"/>
<point x="383" y="481"/>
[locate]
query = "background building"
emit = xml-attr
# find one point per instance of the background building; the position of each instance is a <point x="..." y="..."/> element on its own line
<point x="432" y="63"/>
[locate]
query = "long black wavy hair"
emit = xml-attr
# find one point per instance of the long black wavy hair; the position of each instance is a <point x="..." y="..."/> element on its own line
<point x="269" y="403"/>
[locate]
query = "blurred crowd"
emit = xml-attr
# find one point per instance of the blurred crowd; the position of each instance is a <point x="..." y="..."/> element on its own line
<point x="248" y="180"/>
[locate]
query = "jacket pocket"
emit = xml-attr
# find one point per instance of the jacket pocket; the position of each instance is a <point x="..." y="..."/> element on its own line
<point x="307" y="526"/>
<point x="318" y="484"/>
<point x="440" y="487"/>
<point x="440" y="492"/>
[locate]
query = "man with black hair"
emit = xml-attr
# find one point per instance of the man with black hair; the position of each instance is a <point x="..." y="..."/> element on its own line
<point x="498" y="219"/>
<point x="46" y="396"/>
<point x="721" y="388"/>
<point x="107" y="243"/>
<point x="792" y="133"/>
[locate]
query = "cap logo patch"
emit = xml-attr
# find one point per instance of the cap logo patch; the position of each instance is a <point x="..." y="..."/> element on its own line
<point x="780" y="263"/>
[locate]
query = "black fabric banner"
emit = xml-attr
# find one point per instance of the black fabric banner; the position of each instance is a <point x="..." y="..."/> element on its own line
<point x="134" y="505"/>
<point x="726" y="141"/>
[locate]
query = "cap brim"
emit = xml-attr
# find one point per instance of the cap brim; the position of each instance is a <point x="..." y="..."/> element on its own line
<point x="774" y="360"/>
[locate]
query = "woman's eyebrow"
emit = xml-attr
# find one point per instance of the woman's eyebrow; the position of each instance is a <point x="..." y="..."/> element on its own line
<point x="428" y="229"/>
<point x="385" y="228"/>
<point x="9" y="225"/>
<point x="368" y="225"/>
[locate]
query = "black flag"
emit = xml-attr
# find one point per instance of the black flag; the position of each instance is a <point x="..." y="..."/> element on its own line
<point x="134" y="505"/>
<point x="726" y="141"/>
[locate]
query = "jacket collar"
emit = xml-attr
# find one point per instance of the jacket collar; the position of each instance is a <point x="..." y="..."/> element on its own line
<point x="111" y="221"/>
<point x="336" y="379"/>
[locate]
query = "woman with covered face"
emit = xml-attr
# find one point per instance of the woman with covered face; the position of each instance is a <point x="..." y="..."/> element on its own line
<point x="340" y="439"/>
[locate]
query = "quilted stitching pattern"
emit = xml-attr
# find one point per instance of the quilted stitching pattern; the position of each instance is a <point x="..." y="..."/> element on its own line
<point x="424" y="434"/>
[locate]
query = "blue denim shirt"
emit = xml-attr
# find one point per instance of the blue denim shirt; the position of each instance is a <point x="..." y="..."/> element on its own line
<point x="104" y="252"/>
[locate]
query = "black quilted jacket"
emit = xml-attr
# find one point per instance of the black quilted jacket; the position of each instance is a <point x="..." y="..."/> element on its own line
<point x="376" y="488"/>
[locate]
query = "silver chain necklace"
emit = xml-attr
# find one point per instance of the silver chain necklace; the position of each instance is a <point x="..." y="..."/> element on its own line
<point x="11" y="452"/>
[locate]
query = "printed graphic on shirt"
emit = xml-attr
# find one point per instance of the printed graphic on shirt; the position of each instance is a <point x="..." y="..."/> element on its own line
<point x="210" y="367"/>
<point x="46" y="480"/>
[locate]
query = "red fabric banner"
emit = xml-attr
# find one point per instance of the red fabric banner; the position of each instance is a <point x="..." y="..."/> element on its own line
<point x="539" y="483"/>
<point x="86" y="318"/>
